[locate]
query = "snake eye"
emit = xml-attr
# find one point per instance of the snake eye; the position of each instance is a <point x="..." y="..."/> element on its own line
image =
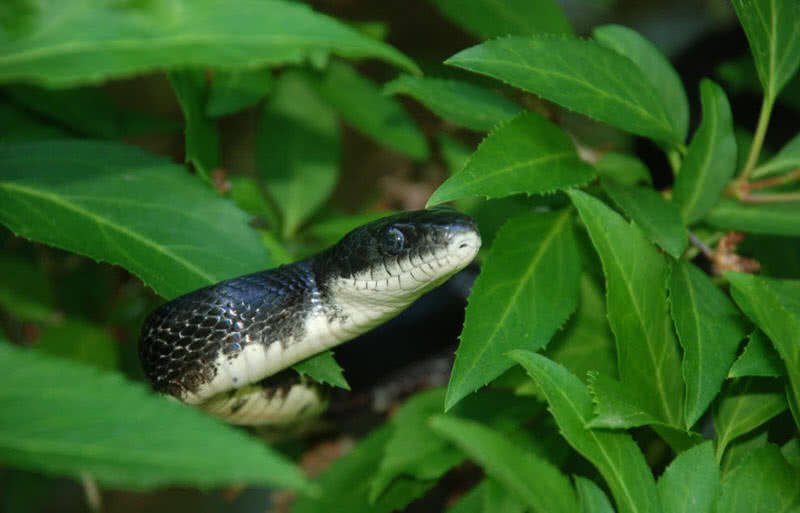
<point x="393" y="241"/>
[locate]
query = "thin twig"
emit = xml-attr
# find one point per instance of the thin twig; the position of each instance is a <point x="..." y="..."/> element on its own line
<point x="707" y="251"/>
<point x="781" y="197"/>
<point x="775" y="180"/>
<point x="758" y="139"/>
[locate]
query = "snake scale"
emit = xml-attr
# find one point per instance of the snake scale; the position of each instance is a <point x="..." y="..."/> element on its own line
<point x="225" y="347"/>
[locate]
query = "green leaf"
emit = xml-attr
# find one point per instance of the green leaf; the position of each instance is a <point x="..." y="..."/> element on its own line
<point x="591" y="497"/>
<point x="533" y="479"/>
<point x="791" y="451"/>
<point x="17" y="124"/>
<point x="743" y="406"/>
<point x="767" y="218"/>
<point x="659" y="219"/>
<point x="459" y="102"/>
<point x="758" y="359"/>
<point x="496" y="497"/>
<point x="711" y="161"/>
<point x="492" y="18"/>
<point x="527" y="154"/>
<point x="118" y="432"/>
<point x="455" y="153"/>
<point x="81" y="341"/>
<point x="774" y="305"/>
<point x="524" y="293"/>
<point x="474" y="500"/>
<point x="234" y="90"/>
<point x="297" y="150"/>
<point x="615" y="407"/>
<point x="25" y="291"/>
<point x="623" y="168"/>
<point x="580" y="75"/>
<point x="636" y="274"/>
<point x="323" y="367"/>
<point x="361" y="103"/>
<point x="118" y="204"/>
<point x="785" y="160"/>
<point x="615" y="454"/>
<point x="773" y="31"/>
<point x="91" y="40"/>
<point x="709" y="329"/>
<point x="736" y="451"/>
<point x="655" y="67"/>
<point x="202" y="139"/>
<point x="691" y="483"/>
<point x="345" y="484"/>
<point x="763" y="483"/>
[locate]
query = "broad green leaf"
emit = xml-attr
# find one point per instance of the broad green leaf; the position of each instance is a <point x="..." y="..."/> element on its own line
<point x="591" y="497"/>
<point x="525" y="292"/>
<point x="791" y="451"/>
<point x="118" y="204"/>
<point x="785" y="160"/>
<point x="741" y="77"/>
<point x="743" y="406"/>
<point x="491" y="215"/>
<point x="737" y="450"/>
<point x="655" y="67"/>
<point x="767" y="218"/>
<point x="636" y="275"/>
<point x="473" y="501"/>
<point x="623" y="168"/>
<point x="118" y="432"/>
<point x="455" y="153"/>
<point x="615" y="454"/>
<point x="773" y="31"/>
<point x="91" y="40"/>
<point x="763" y="483"/>
<point x="709" y="329"/>
<point x="80" y="341"/>
<point x="759" y="358"/>
<point x="711" y="161"/>
<point x="202" y="139"/>
<point x="25" y="291"/>
<point x="17" y="124"/>
<point x="496" y="497"/>
<point x="459" y="102"/>
<point x="578" y="74"/>
<point x="323" y="368"/>
<point x="232" y="91"/>
<point x="297" y="150"/>
<point x="615" y="407"/>
<point x="691" y="483"/>
<point x="774" y="305"/>
<point x="527" y="154"/>
<point x="539" y="483"/>
<point x="492" y="18"/>
<point x="659" y="219"/>
<point x="345" y="484"/>
<point x="360" y="102"/>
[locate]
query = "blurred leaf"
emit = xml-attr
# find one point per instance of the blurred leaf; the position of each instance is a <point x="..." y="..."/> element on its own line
<point x="92" y="40"/>
<point x="81" y="341"/>
<point x="454" y="153"/>
<point x="623" y="168"/>
<point x="743" y="406"/>
<point x="297" y="149"/>
<point x="496" y="497"/>
<point x="248" y="195"/>
<point x="577" y="74"/>
<point x="636" y="275"/>
<point x="659" y="219"/>
<point x="791" y="451"/>
<point x="691" y="483"/>
<point x="591" y="497"/>
<point x="232" y="91"/>
<point x="88" y="110"/>
<point x="763" y="483"/>
<point x="524" y="293"/>
<point x="741" y="77"/>
<point x="711" y="161"/>
<point x="492" y="18"/>
<point x="118" y="204"/>
<point x="202" y="139"/>
<point x="459" y="102"/>
<point x="25" y="291"/>
<point x="768" y="218"/>
<point x="774" y="305"/>
<point x="331" y="229"/>
<point x="615" y="406"/>
<point x="532" y="478"/>
<point x="361" y="103"/>
<point x="17" y="124"/>
<point x="785" y="160"/>
<point x="709" y="329"/>
<point x="527" y="154"/>
<point x="655" y="67"/>
<point x="759" y="358"/>
<point x="118" y="432"/>
<point x="773" y="31"/>
<point x="776" y="254"/>
<point x="345" y="484"/>
<point x="474" y="500"/>
<point x="615" y="454"/>
<point x="324" y="369"/>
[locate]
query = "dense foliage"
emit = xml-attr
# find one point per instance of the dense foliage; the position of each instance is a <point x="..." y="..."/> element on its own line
<point x="620" y="351"/>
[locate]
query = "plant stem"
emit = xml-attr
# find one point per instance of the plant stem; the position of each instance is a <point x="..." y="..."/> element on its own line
<point x="758" y="138"/>
<point x="771" y="198"/>
<point x="775" y="180"/>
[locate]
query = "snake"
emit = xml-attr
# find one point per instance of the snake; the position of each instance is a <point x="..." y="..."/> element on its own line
<point x="228" y="348"/>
